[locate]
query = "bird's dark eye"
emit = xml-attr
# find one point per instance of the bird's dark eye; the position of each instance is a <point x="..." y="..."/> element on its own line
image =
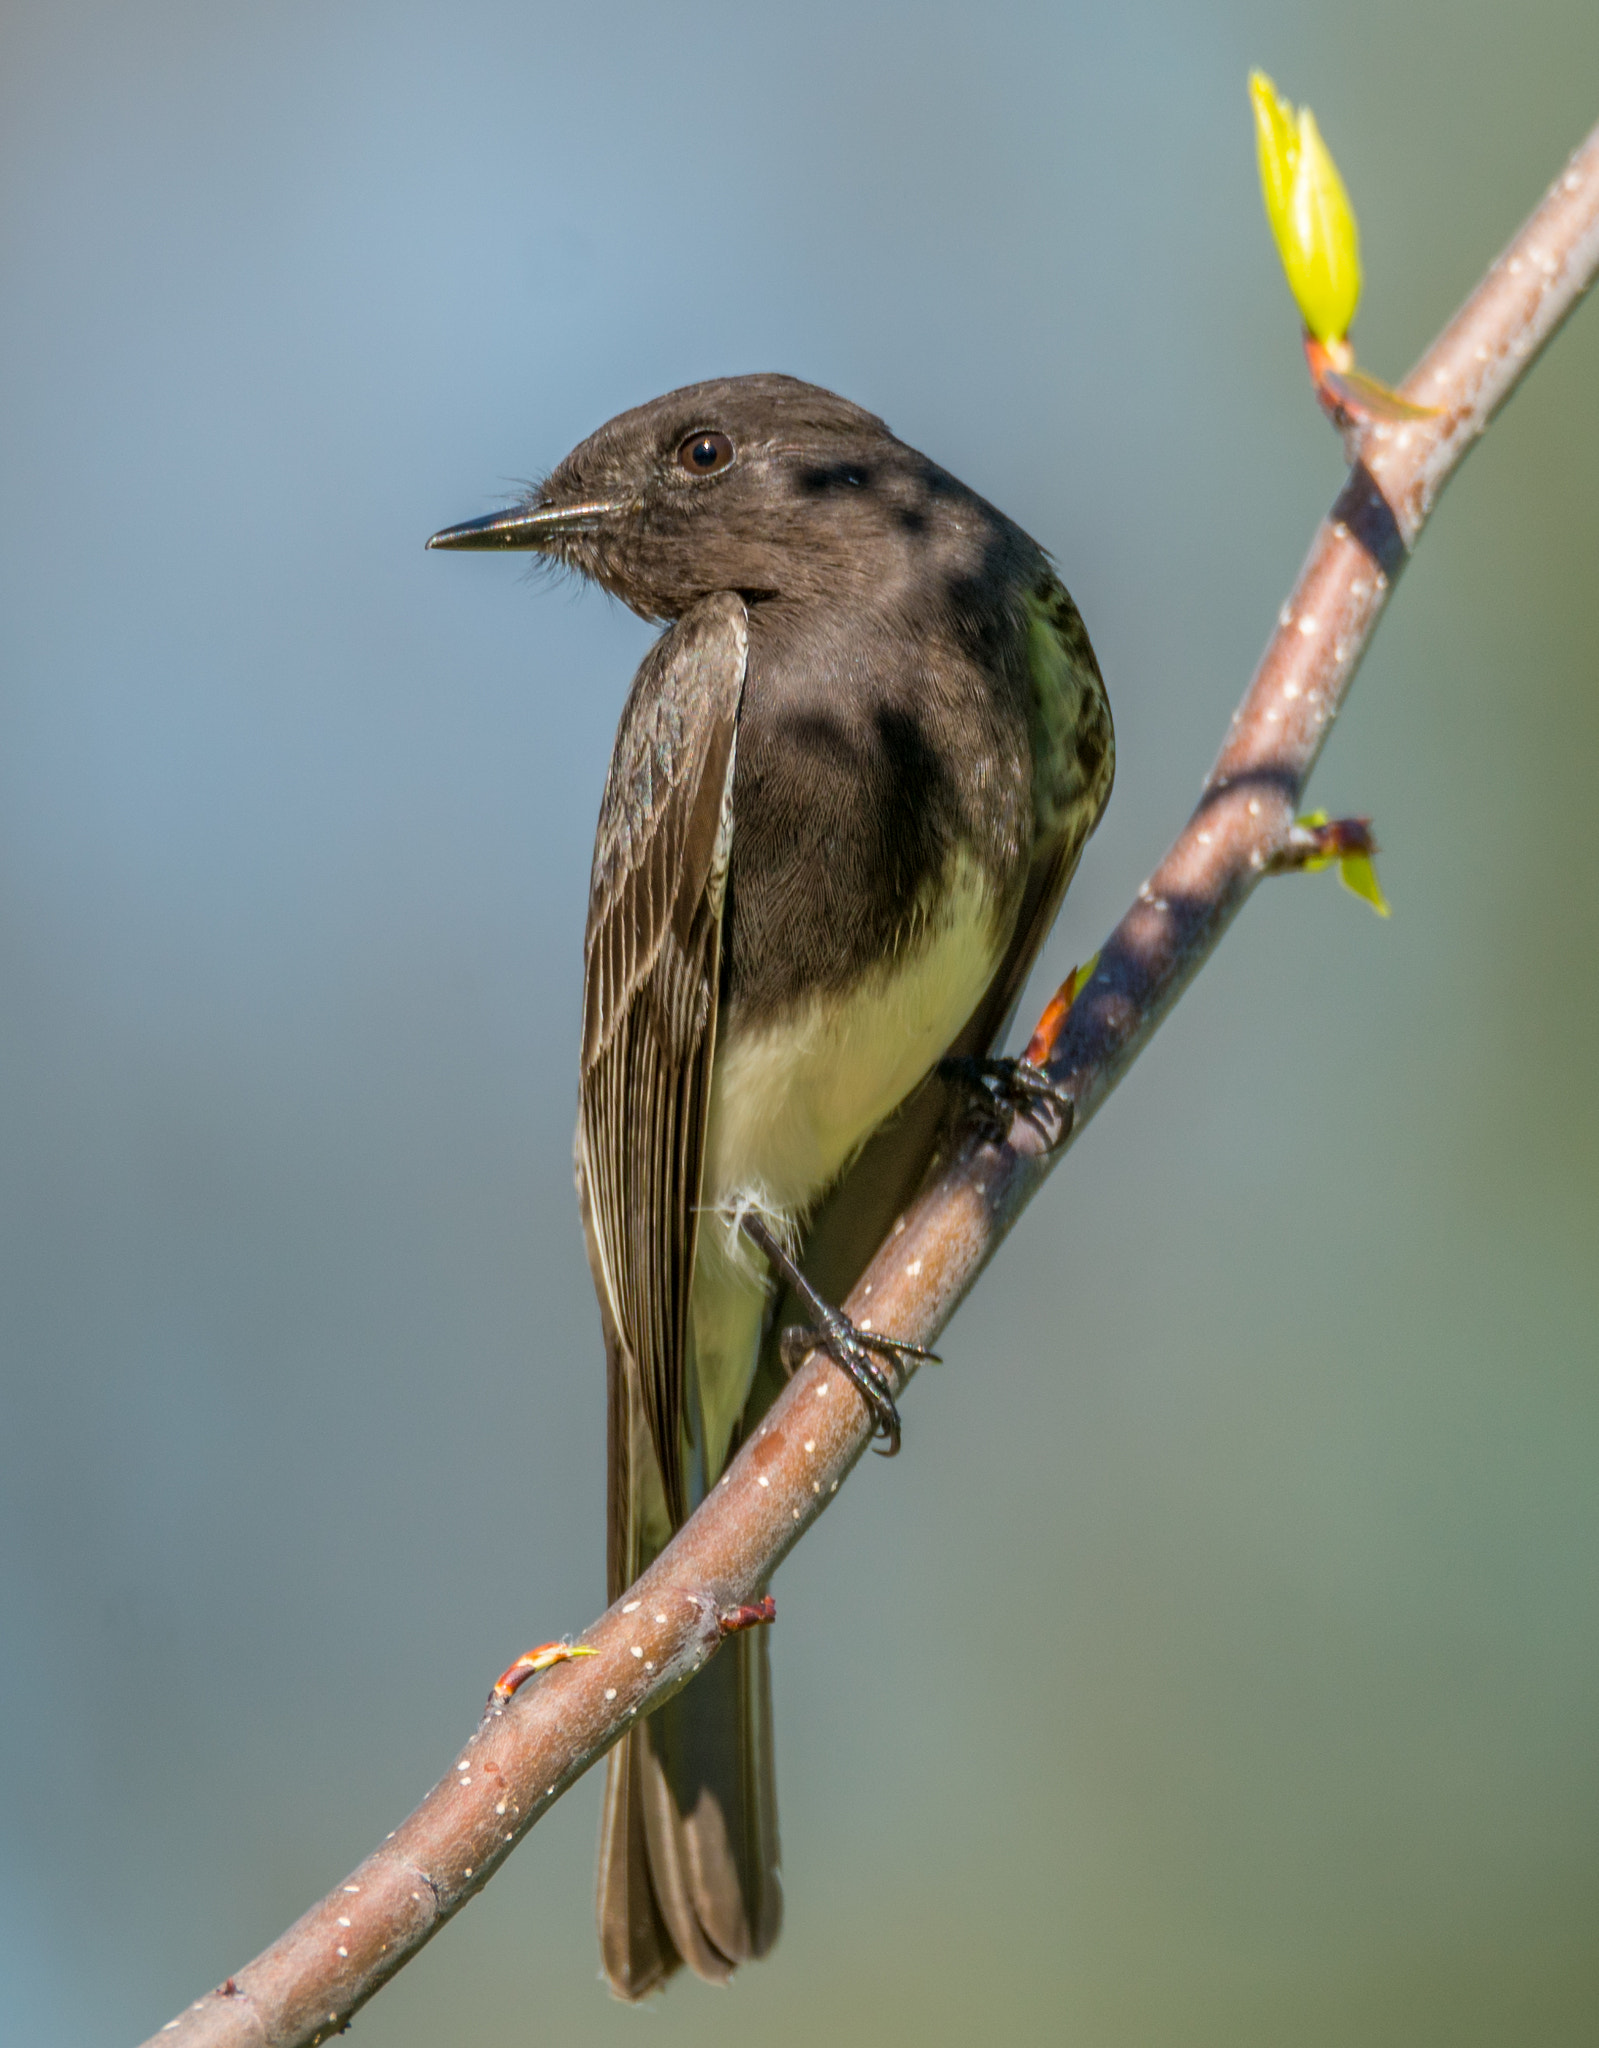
<point x="705" y="454"/>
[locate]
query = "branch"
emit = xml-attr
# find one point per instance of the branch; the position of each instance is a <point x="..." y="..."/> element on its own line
<point x="526" y="1753"/>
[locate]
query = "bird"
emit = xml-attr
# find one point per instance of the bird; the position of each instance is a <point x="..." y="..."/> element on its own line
<point x="850" y="784"/>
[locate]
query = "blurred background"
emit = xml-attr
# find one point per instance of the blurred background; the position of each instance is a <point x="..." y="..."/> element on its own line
<point x="1220" y="1664"/>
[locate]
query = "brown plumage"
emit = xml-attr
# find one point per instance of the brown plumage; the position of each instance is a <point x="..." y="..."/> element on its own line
<point x="850" y="785"/>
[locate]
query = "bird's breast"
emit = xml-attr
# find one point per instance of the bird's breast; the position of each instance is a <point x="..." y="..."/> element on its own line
<point x="795" y="1096"/>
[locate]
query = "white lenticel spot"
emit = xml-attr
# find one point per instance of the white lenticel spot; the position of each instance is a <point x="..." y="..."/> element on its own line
<point x="810" y="1443"/>
<point x="344" y="1919"/>
<point x="661" y="1618"/>
<point x="913" y="1269"/>
<point x="343" y="1951"/>
<point x="816" y="1486"/>
<point x="762" y="1480"/>
<point x="500" y="1808"/>
<point x="610" y="1692"/>
<point x="1307" y="624"/>
<point x="465" y="1766"/>
<point x="637" y="1652"/>
<point x="632" y="1606"/>
<point x="649" y="1663"/>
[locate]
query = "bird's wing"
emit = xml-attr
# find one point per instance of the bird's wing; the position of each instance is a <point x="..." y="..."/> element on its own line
<point x="652" y="965"/>
<point x="1074" y="762"/>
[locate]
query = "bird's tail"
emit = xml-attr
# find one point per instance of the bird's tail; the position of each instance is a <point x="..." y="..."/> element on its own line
<point x="688" y="1845"/>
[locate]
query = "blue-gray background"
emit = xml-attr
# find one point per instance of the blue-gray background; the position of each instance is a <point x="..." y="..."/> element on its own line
<point x="1221" y="1662"/>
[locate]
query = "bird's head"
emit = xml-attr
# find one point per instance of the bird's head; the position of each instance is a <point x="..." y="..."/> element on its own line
<point x="761" y="484"/>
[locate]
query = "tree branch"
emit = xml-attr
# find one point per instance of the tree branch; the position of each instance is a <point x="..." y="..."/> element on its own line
<point x="526" y="1753"/>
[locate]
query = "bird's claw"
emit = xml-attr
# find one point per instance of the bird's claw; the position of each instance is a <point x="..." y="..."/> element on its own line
<point x="852" y="1348"/>
<point x="1000" y="1090"/>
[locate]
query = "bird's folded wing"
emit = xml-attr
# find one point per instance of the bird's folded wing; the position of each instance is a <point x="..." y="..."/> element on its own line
<point x="1074" y="765"/>
<point x="651" y="974"/>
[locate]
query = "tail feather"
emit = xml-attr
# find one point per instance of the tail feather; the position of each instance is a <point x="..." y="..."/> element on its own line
<point x="637" y="1951"/>
<point x="689" y="1862"/>
<point x="688" y="1868"/>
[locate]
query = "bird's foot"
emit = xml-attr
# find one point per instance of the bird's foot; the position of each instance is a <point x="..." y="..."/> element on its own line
<point x="852" y="1348"/>
<point x="848" y="1345"/>
<point x="1000" y="1090"/>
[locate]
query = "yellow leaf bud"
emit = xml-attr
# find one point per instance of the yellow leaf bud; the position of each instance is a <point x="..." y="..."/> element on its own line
<point x="1309" y="212"/>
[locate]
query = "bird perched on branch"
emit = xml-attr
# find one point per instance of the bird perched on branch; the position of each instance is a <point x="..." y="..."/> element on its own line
<point x="850" y="785"/>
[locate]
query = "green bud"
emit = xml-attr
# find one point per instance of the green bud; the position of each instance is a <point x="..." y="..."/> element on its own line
<point x="1309" y="212"/>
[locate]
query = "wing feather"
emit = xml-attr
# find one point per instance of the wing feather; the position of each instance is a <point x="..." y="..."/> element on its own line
<point x="651" y="981"/>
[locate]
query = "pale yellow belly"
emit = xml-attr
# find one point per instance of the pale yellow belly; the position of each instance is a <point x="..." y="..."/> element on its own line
<point x="793" y="1101"/>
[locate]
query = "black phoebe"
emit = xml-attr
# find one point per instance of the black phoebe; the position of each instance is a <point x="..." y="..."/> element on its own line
<point x="849" y="788"/>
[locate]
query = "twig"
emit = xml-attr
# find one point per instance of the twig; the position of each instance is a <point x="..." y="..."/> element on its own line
<point x="528" y="1751"/>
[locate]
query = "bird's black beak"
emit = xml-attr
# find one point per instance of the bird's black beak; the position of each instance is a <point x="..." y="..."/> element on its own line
<point x="524" y="526"/>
